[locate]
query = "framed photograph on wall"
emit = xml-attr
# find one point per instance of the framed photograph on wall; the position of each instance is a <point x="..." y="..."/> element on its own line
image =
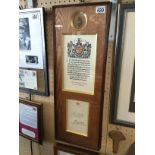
<point x="30" y="120"/>
<point x="31" y="38"/>
<point x="123" y="96"/>
<point x="32" y="52"/>
<point x="80" y="53"/>
<point x="61" y="149"/>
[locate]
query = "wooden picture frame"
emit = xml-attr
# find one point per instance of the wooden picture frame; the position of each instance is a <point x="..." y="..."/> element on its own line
<point x="80" y="73"/>
<point x="61" y="149"/>
<point x="122" y="111"/>
<point x="33" y="70"/>
<point x="30" y="120"/>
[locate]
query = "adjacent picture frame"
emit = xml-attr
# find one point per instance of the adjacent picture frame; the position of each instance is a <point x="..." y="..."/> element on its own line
<point x="30" y="120"/>
<point x="123" y="92"/>
<point x="80" y="54"/>
<point x="32" y="52"/>
<point x="61" y="149"/>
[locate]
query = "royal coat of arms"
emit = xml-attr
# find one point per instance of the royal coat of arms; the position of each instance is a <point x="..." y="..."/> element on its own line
<point x="79" y="48"/>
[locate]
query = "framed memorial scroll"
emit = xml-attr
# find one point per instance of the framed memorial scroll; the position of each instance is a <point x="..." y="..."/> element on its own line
<point x="30" y="120"/>
<point x="80" y="52"/>
<point x="61" y="149"/>
<point x="33" y="76"/>
<point x="123" y="102"/>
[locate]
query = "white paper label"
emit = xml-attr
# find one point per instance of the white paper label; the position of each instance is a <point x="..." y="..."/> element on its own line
<point x="28" y="132"/>
<point x="58" y="26"/>
<point x="100" y="9"/>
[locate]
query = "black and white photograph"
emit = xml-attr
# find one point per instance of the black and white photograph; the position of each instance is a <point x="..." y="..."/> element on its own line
<point x="24" y="34"/>
<point x="31" y="59"/>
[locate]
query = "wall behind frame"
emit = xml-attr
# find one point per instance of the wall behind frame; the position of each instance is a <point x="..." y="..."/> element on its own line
<point x="48" y="102"/>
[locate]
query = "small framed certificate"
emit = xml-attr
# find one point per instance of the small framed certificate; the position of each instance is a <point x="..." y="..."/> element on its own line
<point x="123" y="98"/>
<point x="30" y="120"/>
<point x="61" y="149"/>
<point x="80" y="53"/>
<point x="77" y="117"/>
